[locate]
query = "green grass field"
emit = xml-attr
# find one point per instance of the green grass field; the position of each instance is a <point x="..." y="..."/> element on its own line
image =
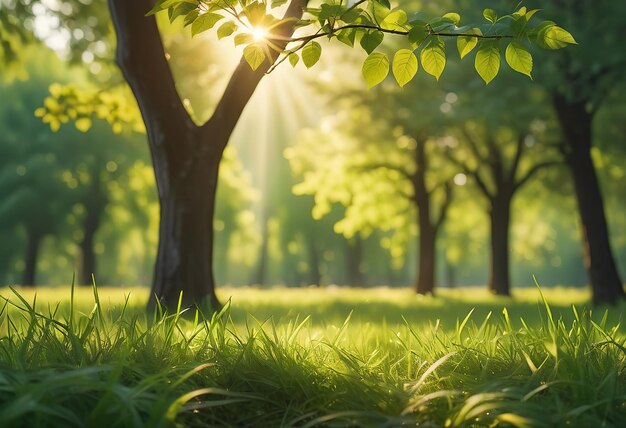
<point x="312" y="357"/>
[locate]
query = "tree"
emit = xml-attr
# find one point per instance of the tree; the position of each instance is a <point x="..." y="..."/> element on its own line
<point x="498" y="179"/>
<point x="186" y="156"/>
<point x="385" y="180"/>
<point x="578" y="82"/>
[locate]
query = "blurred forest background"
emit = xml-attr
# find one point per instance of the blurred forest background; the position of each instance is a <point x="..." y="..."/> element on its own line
<point x="323" y="181"/>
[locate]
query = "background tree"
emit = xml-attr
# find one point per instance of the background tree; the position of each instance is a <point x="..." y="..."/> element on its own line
<point x="579" y="82"/>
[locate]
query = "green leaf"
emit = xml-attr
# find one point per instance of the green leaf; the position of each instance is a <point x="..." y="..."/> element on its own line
<point x="404" y="66"/>
<point x="254" y="55"/>
<point x="518" y="57"/>
<point x="330" y="11"/>
<point x="466" y="44"/>
<point x="488" y="61"/>
<point x="433" y="57"/>
<point x="347" y="36"/>
<point x="311" y="54"/>
<point x="396" y="20"/>
<point x="181" y="9"/>
<point x="554" y="37"/>
<point x="371" y="40"/>
<point x="191" y="16"/>
<point x="204" y="22"/>
<point x="417" y="34"/>
<point x="490" y="15"/>
<point x="385" y="3"/>
<point x="453" y="17"/>
<point x="293" y="59"/>
<point x="243" y="38"/>
<point x="226" y="29"/>
<point x="375" y="69"/>
<point x="277" y="3"/>
<point x="161" y="5"/>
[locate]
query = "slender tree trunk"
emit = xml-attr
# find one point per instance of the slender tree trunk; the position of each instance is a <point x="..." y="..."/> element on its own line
<point x="354" y="256"/>
<point x="576" y="123"/>
<point x="500" y="216"/>
<point x="33" y="243"/>
<point x="427" y="260"/>
<point x="88" y="265"/>
<point x="427" y="231"/>
<point x="94" y="205"/>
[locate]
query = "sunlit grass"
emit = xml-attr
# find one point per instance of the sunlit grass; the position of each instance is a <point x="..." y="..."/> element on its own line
<point x="262" y="362"/>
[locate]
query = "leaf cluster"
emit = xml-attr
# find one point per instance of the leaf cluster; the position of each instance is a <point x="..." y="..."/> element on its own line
<point x="366" y="23"/>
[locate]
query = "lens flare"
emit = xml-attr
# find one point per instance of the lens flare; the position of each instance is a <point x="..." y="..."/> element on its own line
<point x="259" y="33"/>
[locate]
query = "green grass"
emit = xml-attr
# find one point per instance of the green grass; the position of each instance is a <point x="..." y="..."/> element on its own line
<point x="307" y="357"/>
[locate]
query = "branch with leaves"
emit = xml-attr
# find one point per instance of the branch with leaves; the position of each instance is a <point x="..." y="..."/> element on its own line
<point x="367" y="22"/>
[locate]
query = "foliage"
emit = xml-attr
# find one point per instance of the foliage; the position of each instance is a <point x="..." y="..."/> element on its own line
<point x="482" y="370"/>
<point x="251" y="23"/>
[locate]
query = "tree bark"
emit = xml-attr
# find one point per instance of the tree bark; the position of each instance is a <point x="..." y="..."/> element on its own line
<point x="185" y="254"/>
<point x="185" y="156"/>
<point x="94" y="206"/>
<point x="427" y="260"/>
<point x="604" y="279"/>
<point x="33" y="243"/>
<point x="427" y="229"/>
<point x="354" y="255"/>
<point x="500" y="217"/>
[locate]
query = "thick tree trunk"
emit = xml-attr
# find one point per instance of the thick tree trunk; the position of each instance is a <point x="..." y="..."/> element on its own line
<point x="576" y="123"/>
<point x="185" y="255"/>
<point x="33" y="243"/>
<point x="500" y="217"/>
<point x="185" y="156"/>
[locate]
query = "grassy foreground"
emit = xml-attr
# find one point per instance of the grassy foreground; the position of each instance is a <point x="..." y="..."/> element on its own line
<point x="306" y="357"/>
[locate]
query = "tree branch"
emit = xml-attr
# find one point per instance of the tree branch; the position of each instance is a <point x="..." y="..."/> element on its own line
<point x="387" y="165"/>
<point x="473" y="144"/>
<point x="141" y="57"/>
<point x="471" y="172"/>
<point x="519" y="150"/>
<point x="532" y="171"/>
<point x="388" y="31"/>
<point x="244" y="80"/>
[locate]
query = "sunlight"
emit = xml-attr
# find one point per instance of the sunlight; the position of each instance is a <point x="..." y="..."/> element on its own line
<point x="259" y="33"/>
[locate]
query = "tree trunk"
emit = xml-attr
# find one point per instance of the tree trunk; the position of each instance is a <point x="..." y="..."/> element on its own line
<point x="354" y="255"/>
<point x="500" y="216"/>
<point x="33" y="243"/>
<point x="576" y="123"/>
<point x="427" y="231"/>
<point x="427" y="260"/>
<point x="185" y="156"/>
<point x="185" y="255"/>
<point x="94" y="205"/>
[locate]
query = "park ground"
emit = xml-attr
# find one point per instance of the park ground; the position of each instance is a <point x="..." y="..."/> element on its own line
<point x="312" y="357"/>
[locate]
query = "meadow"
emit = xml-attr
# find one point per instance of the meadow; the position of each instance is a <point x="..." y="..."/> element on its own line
<point x="312" y="357"/>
